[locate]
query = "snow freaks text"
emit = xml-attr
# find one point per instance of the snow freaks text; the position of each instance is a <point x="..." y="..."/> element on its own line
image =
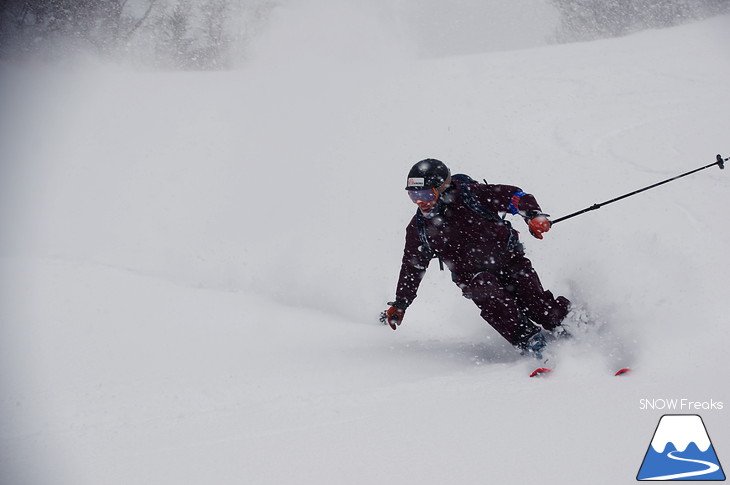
<point x="679" y="404"/>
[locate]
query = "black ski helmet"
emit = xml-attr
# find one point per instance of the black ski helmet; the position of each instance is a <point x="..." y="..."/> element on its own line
<point x="428" y="174"/>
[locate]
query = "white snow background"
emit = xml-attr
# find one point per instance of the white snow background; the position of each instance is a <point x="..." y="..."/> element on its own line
<point x="193" y="263"/>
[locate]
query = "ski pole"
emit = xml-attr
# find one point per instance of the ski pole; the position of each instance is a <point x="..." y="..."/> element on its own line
<point x="719" y="162"/>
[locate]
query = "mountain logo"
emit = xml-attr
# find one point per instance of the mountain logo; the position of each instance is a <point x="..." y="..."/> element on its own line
<point x="681" y="450"/>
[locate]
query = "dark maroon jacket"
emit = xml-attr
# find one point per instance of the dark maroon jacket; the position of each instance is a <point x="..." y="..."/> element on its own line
<point x="466" y="242"/>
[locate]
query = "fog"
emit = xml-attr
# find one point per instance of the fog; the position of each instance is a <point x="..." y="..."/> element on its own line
<point x="469" y="26"/>
<point x="348" y="30"/>
<point x="225" y="34"/>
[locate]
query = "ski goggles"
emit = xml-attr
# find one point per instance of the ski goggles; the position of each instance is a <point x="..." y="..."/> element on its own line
<point x="423" y="196"/>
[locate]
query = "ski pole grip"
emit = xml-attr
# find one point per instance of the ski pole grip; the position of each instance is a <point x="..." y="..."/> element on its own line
<point x="720" y="161"/>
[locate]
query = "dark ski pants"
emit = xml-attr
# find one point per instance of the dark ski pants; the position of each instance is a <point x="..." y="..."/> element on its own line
<point x="512" y="299"/>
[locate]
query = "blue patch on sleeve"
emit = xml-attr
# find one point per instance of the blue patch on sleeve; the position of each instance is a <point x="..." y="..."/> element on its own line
<point x="515" y="202"/>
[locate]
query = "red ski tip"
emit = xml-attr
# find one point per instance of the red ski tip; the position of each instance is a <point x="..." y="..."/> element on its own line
<point x="540" y="372"/>
<point x="623" y="371"/>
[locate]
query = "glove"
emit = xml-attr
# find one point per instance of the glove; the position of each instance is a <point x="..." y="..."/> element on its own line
<point x="538" y="225"/>
<point x="393" y="316"/>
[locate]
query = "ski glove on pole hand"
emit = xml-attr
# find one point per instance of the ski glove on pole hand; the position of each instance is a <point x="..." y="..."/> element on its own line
<point x="393" y="316"/>
<point x="538" y="225"/>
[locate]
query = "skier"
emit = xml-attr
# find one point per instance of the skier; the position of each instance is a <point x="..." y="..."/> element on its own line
<point x="457" y="221"/>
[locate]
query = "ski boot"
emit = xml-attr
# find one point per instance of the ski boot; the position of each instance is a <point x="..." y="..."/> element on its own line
<point x="534" y="346"/>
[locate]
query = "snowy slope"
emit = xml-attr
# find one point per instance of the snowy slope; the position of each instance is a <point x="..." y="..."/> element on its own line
<point x="193" y="264"/>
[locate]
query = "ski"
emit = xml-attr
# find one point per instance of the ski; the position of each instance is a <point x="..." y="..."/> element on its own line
<point x="545" y="371"/>
<point x="540" y="372"/>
